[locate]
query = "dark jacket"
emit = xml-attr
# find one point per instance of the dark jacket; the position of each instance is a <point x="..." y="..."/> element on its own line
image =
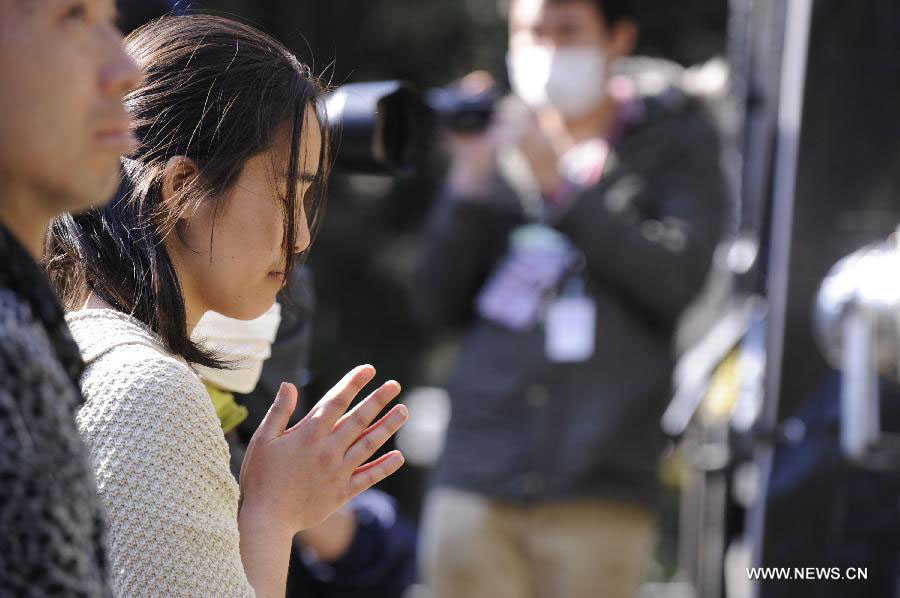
<point x="523" y="428"/>
<point x="51" y="528"/>
<point x="379" y="563"/>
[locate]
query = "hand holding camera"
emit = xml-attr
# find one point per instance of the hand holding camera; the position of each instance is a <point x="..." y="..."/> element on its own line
<point x="539" y="137"/>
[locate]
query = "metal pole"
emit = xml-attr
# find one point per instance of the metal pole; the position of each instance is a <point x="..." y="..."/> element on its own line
<point x="790" y="117"/>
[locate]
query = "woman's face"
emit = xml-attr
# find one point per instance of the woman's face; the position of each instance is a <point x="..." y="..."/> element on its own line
<point x="233" y="261"/>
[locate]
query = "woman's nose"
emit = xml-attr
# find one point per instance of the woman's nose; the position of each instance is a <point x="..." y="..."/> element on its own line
<point x="301" y="233"/>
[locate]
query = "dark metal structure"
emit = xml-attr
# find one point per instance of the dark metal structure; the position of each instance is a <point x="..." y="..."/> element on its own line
<point x="816" y="86"/>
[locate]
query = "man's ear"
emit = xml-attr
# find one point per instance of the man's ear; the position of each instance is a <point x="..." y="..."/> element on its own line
<point x="178" y="175"/>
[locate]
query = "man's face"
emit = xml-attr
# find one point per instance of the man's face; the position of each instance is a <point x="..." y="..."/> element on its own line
<point x="62" y="123"/>
<point x="571" y="23"/>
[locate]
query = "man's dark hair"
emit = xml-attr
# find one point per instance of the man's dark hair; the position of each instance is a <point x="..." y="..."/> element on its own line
<point x="613" y="11"/>
<point x="216" y="91"/>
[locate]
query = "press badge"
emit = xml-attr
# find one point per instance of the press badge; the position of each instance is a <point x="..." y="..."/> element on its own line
<point x="536" y="261"/>
<point x="570" y="324"/>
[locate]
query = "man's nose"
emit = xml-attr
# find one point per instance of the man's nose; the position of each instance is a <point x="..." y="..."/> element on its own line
<point x="120" y="74"/>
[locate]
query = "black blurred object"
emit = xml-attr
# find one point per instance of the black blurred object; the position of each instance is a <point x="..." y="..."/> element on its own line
<point x="378" y="127"/>
<point x="134" y="13"/>
<point x="383" y="127"/>
<point x="460" y="111"/>
<point x="820" y="178"/>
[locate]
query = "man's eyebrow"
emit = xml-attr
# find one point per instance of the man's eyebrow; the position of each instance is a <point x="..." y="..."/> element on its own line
<point x="110" y="11"/>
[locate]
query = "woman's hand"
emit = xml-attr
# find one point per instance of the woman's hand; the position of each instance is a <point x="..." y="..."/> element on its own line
<point x="294" y="479"/>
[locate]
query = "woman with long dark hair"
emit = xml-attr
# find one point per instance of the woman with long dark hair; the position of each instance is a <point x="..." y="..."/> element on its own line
<point x="216" y="205"/>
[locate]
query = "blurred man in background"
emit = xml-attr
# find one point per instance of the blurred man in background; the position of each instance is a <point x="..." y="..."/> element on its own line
<point x="571" y="236"/>
<point x="62" y="130"/>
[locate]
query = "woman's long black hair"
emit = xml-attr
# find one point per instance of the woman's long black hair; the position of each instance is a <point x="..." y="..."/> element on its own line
<point x="216" y="91"/>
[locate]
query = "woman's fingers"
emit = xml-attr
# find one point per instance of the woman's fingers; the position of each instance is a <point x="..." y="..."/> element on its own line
<point x="351" y="425"/>
<point x="349" y="437"/>
<point x="366" y="476"/>
<point x="376" y="435"/>
<point x="276" y="420"/>
<point x="335" y="402"/>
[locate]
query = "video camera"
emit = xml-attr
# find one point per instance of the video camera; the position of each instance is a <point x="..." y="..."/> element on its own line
<point x="382" y="127"/>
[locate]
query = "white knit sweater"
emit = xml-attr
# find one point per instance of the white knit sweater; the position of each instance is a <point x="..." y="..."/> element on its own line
<point x="161" y="462"/>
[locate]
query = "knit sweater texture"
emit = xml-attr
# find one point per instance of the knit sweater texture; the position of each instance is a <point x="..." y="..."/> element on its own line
<point x="161" y="463"/>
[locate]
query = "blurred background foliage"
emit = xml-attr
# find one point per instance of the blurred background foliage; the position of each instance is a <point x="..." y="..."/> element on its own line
<point x="366" y="251"/>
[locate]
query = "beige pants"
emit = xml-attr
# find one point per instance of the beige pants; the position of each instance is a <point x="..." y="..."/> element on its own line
<point x="472" y="547"/>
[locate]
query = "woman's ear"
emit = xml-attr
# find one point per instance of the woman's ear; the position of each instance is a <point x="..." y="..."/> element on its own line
<point x="178" y="175"/>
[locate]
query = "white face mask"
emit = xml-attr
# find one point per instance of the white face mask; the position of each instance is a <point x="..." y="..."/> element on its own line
<point x="246" y="343"/>
<point x="571" y="79"/>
